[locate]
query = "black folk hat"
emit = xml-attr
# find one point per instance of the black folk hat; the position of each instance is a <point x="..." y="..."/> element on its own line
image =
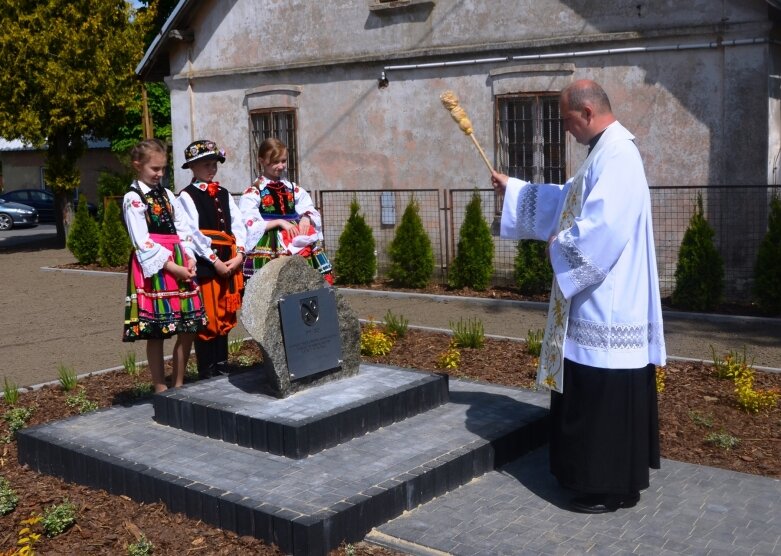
<point x="202" y="150"/>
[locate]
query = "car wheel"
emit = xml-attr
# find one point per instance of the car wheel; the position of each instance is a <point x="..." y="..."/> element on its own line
<point x="6" y="223"/>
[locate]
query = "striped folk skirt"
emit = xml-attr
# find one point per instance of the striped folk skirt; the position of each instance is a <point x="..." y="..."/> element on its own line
<point x="160" y="306"/>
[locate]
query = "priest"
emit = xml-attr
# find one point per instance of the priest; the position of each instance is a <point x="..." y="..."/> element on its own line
<point x="604" y="335"/>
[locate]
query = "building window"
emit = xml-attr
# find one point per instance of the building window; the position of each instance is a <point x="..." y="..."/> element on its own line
<point x="280" y="124"/>
<point x="530" y="138"/>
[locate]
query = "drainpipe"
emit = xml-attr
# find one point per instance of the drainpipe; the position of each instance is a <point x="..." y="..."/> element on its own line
<point x="190" y="93"/>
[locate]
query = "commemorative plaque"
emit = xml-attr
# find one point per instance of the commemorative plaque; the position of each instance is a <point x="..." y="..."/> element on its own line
<point x="310" y="332"/>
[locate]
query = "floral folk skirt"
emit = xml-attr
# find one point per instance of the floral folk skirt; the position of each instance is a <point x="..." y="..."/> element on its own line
<point x="160" y="306"/>
<point x="271" y="246"/>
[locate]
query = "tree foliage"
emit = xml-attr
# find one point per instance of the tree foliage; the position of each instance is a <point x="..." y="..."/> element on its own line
<point x="699" y="274"/>
<point x="767" y="271"/>
<point x="114" y="241"/>
<point x="67" y="68"/>
<point x="355" y="261"/>
<point x="83" y="235"/>
<point x="533" y="272"/>
<point x="411" y="254"/>
<point x="473" y="265"/>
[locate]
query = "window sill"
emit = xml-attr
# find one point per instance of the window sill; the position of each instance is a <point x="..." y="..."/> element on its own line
<point x="379" y="6"/>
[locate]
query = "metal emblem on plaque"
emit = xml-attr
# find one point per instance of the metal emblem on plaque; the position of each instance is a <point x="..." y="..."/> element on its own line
<point x="310" y="332"/>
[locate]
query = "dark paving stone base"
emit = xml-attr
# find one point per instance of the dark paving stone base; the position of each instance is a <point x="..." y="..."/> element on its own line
<point x="304" y="506"/>
<point x="235" y="410"/>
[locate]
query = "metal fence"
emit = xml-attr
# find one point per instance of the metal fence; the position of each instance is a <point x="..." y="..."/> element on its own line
<point x="737" y="214"/>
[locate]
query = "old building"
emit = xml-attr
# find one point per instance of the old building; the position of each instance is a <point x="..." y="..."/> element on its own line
<point x="353" y="87"/>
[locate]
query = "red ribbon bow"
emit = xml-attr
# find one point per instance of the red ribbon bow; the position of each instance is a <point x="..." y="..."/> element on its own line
<point x="212" y="188"/>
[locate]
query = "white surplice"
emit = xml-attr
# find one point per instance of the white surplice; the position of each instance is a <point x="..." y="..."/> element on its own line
<point x="605" y="262"/>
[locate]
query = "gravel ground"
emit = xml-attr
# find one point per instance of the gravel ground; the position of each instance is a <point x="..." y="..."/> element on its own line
<point x="50" y="318"/>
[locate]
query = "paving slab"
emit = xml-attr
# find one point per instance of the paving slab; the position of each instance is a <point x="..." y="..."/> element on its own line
<point x="520" y="509"/>
<point x="305" y="506"/>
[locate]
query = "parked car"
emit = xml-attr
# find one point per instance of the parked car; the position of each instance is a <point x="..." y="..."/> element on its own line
<point x="16" y="214"/>
<point x="40" y="199"/>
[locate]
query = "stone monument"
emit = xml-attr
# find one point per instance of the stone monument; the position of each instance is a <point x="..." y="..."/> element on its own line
<point x="307" y="332"/>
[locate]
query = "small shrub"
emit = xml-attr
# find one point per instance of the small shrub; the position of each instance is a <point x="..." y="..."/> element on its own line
<point x="191" y="370"/>
<point x="58" y="518"/>
<point x="246" y="360"/>
<point x="374" y="342"/>
<point x="8" y="497"/>
<point x="142" y="389"/>
<point x="234" y="346"/>
<point x="767" y="270"/>
<point x="17" y="418"/>
<point x="730" y="366"/>
<point x="10" y="391"/>
<point x="534" y="342"/>
<point x="142" y="547"/>
<point x="67" y="378"/>
<point x="395" y="325"/>
<point x="355" y="261"/>
<point x="468" y="334"/>
<point x="114" y="247"/>
<point x="722" y="440"/>
<point x="129" y="364"/>
<point x="749" y="398"/>
<point x="660" y="380"/>
<point x="411" y="254"/>
<point x="699" y="274"/>
<point x="700" y="419"/>
<point x="449" y="359"/>
<point x="80" y="402"/>
<point x="533" y="273"/>
<point x="27" y="538"/>
<point x="473" y="265"/>
<point x="83" y="237"/>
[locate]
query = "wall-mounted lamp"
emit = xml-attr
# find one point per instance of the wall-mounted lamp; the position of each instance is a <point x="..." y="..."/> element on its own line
<point x="382" y="82"/>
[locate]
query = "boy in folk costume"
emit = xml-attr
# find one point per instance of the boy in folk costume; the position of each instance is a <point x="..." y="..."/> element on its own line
<point x="219" y="249"/>
<point x="280" y="217"/>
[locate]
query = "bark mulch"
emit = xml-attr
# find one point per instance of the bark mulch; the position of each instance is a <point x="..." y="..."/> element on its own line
<point x="694" y="405"/>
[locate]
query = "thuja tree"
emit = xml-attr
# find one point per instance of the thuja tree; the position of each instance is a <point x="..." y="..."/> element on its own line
<point x="115" y="245"/>
<point x="355" y="261"/>
<point x="533" y="272"/>
<point x="473" y="265"/>
<point x="68" y="73"/>
<point x="767" y="271"/>
<point x="699" y="275"/>
<point x="411" y="254"/>
<point x="83" y="236"/>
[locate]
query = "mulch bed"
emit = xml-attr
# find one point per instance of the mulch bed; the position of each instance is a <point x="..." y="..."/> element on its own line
<point x="692" y="405"/>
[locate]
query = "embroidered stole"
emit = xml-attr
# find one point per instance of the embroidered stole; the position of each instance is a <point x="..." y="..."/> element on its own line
<point x="550" y="372"/>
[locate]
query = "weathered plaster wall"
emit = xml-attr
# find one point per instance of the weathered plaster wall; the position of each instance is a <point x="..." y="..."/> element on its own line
<point x="283" y="33"/>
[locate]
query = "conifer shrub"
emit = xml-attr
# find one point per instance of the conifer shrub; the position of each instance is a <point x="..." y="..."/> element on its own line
<point x="533" y="272"/>
<point x="355" y="261"/>
<point x="767" y="270"/>
<point x="699" y="275"/>
<point x="114" y="242"/>
<point x="411" y="254"/>
<point x="473" y="266"/>
<point x="83" y="237"/>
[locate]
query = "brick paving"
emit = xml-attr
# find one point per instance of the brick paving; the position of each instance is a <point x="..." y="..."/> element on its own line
<point x="520" y="509"/>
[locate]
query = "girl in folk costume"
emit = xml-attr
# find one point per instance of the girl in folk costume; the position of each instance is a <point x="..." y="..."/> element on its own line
<point x="163" y="298"/>
<point x="219" y="248"/>
<point x="280" y="217"/>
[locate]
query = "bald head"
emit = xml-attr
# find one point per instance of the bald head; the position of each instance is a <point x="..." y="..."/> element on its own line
<point x="585" y="92"/>
<point x="585" y="110"/>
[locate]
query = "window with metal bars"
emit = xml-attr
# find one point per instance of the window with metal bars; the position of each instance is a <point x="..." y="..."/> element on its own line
<point x="530" y="137"/>
<point x="280" y="124"/>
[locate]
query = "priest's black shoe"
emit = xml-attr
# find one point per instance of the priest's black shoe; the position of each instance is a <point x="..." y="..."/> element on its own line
<point x="603" y="503"/>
